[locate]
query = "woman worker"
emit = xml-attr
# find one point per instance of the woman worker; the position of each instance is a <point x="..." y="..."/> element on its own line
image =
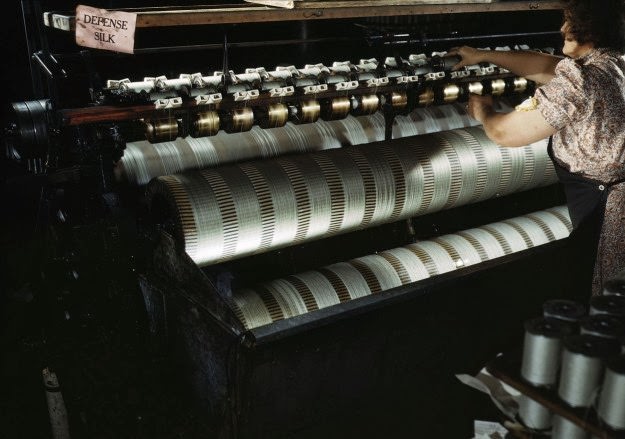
<point x="581" y="103"/>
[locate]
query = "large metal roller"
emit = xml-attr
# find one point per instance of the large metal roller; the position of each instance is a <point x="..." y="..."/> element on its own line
<point x="232" y="211"/>
<point x="301" y="293"/>
<point x="143" y="161"/>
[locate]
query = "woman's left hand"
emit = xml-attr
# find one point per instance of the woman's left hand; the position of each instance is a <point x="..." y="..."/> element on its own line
<point x="479" y="107"/>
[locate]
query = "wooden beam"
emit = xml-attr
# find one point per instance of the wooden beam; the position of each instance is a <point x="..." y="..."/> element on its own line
<point x="304" y="10"/>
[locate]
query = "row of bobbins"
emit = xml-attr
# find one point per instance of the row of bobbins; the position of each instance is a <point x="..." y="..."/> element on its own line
<point x="453" y="92"/>
<point x="208" y="123"/>
<point x="575" y="353"/>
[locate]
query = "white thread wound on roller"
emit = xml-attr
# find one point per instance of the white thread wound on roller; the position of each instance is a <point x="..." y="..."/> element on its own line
<point x="542" y="348"/>
<point x="351" y="278"/>
<point x="533" y="414"/>
<point x="582" y="368"/>
<point x="388" y="192"/>
<point x="143" y="161"/>
<point x="611" y="408"/>
<point x="385" y="270"/>
<point x="565" y="429"/>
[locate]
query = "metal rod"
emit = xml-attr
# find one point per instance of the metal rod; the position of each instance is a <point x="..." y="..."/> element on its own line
<point x="219" y="46"/>
<point x="295" y="41"/>
<point x="426" y="40"/>
<point x="37" y="57"/>
<point x="36" y="85"/>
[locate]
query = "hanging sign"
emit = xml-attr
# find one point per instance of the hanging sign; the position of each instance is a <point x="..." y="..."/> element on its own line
<point x="107" y="30"/>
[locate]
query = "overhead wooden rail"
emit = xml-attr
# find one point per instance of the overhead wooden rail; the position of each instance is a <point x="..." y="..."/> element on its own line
<point x="304" y="10"/>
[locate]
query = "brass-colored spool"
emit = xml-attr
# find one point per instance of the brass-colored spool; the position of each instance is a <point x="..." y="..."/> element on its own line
<point x="399" y="101"/>
<point x="426" y="97"/>
<point x="241" y="119"/>
<point x="520" y="85"/>
<point x="476" y="88"/>
<point x="161" y="130"/>
<point x="368" y="104"/>
<point x="337" y="108"/>
<point x="276" y="116"/>
<point x="306" y="112"/>
<point x="451" y="93"/>
<point x="498" y="87"/>
<point x="206" y="124"/>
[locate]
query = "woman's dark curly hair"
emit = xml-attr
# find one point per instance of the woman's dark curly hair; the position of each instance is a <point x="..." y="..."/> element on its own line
<point x="601" y="22"/>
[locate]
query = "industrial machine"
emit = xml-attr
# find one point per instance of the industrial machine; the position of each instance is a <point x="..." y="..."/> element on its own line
<point x="293" y="205"/>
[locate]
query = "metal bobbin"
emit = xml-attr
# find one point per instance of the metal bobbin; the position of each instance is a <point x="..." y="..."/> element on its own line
<point x="446" y="63"/>
<point x="566" y="310"/>
<point x="611" y="305"/>
<point x="476" y="88"/>
<point x="239" y="120"/>
<point x="27" y="139"/>
<point x="519" y="85"/>
<point x="426" y="97"/>
<point x="611" y="408"/>
<point x="533" y="414"/>
<point x="337" y="108"/>
<point x="305" y="111"/>
<point x="565" y="429"/>
<point x="582" y="368"/>
<point x="161" y="130"/>
<point x="399" y="101"/>
<point x="205" y="124"/>
<point x="498" y="87"/>
<point x="603" y="325"/>
<point x="542" y="348"/>
<point x="450" y="93"/>
<point x="365" y="104"/>
<point x="274" y="116"/>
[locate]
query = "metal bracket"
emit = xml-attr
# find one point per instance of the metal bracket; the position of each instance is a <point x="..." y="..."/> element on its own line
<point x="214" y="98"/>
<point x="246" y="95"/>
<point x="282" y="91"/>
<point x="168" y="103"/>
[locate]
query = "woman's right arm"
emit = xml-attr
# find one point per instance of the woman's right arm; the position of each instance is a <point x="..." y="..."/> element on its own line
<point x="535" y="66"/>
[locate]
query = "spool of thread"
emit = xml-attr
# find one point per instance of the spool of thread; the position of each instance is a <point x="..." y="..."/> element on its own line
<point x="566" y="310"/>
<point x="611" y="305"/>
<point x="611" y="408"/>
<point x="451" y="93"/>
<point x="399" y="101"/>
<point x="520" y="85"/>
<point x="603" y="325"/>
<point x="614" y="287"/>
<point x="305" y="111"/>
<point x="161" y="130"/>
<point x="476" y="88"/>
<point x="205" y="124"/>
<point x="565" y="429"/>
<point x="365" y="104"/>
<point x="239" y="120"/>
<point x="533" y="414"/>
<point x="335" y="109"/>
<point x="498" y="87"/>
<point x="426" y="97"/>
<point x="274" y="116"/>
<point x="542" y="348"/>
<point x="582" y="368"/>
